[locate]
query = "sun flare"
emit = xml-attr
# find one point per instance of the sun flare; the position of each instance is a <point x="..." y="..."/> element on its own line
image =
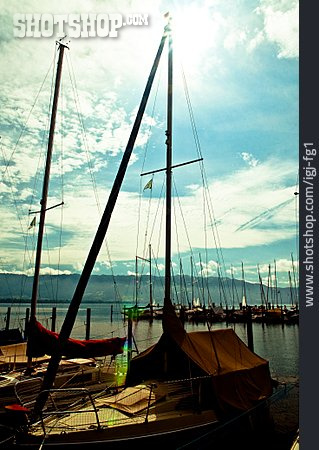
<point x="194" y="35"/>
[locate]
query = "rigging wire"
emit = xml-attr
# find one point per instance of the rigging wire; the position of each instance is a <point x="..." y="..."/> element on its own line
<point x="26" y="122"/>
<point x="91" y="171"/>
<point x="296" y="194"/>
<point x="186" y="232"/>
<point x="6" y="173"/>
<point x="36" y="180"/>
<point x="213" y="222"/>
<point x="146" y="147"/>
<point x="61" y="167"/>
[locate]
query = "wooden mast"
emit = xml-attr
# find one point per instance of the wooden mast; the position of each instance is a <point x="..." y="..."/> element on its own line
<point x="99" y="237"/>
<point x="45" y="188"/>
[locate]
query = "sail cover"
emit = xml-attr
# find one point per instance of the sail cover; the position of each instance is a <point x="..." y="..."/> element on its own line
<point x="45" y="342"/>
<point x="239" y="378"/>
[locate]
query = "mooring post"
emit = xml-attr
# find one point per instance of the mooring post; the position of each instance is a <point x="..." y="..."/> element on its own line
<point x="250" y="336"/>
<point x="53" y="318"/>
<point x="26" y="323"/>
<point x="8" y="318"/>
<point x="129" y="338"/>
<point x="88" y="323"/>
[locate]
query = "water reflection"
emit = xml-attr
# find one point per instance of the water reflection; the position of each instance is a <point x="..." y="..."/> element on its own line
<point x="279" y="344"/>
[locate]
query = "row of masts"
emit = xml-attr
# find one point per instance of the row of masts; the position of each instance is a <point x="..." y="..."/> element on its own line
<point x="270" y="293"/>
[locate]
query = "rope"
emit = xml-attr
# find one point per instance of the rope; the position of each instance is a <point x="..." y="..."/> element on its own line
<point x="6" y="172"/>
<point x="206" y="192"/>
<point x="186" y="232"/>
<point x="48" y="285"/>
<point x="138" y="278"/>
<point x="117" y="295"/>
<point x="62" y="195"/>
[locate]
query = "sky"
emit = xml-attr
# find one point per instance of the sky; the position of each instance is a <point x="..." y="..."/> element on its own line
<point x="240" y="62"/>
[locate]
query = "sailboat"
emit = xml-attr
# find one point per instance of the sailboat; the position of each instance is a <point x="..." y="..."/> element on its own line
<point x="80" y="366"/>
<point x="186" y="386"/>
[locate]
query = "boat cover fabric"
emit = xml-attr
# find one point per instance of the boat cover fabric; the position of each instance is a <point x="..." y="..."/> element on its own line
<point x="131" y="401"/>
<point x="240" y="378"/>
<point x="45" y="342"/>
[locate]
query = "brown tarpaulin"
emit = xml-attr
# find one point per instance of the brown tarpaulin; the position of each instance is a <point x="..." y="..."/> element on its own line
<point x="45" y="342"/>
<point x="240" y="378"/>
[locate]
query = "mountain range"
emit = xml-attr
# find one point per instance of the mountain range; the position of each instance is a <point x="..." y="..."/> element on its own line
<point x="105" y="288"/>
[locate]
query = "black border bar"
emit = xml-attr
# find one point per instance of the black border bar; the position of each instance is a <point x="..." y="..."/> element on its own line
<point x="308" y="224"/>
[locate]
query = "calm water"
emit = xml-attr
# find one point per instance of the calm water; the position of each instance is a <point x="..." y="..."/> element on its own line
<point x="280" y="345"/>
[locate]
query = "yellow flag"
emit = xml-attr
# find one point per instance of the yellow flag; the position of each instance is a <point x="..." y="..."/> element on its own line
<point x="32" y="224"/>
<point x="148" y="185"/>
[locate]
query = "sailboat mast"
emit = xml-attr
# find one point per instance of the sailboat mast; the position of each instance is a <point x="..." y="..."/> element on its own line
<point x="35" y="286"/>
<point x="244" y="294"/>
<point x="192" y="283"/>
<point x="295" y="284"/>
<point x="276" y="285"/>
<point x="151" y="284"/>
<point x="167" y="292"/>
<point x="99" y="236"/>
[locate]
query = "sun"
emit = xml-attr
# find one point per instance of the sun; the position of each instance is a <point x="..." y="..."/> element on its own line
<point x="194" y="35"/>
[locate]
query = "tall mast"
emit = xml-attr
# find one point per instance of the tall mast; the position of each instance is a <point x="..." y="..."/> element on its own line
<point x="151" y="284"/>
<point x="244" y="294"/>
<point x="43" y="202"/>
<point x="202" y="279"/>
<point x="99" y="236"/>
<point x="295" y="284"/>
<point x="262" y="292"/>
<point x="290" y="287"/>
<point x="192" y="282"/>
<point x="180" y="281"/>
<point x="136" y="281"/>
<point x="232" y="285"/>
<point x="276" y="285"/>
<point x="167" y="292"/>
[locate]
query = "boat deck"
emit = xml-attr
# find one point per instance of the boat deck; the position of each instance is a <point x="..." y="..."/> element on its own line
<point x="133" y="413"/>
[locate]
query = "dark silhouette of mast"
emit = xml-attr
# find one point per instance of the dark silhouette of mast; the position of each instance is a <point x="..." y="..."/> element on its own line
<point x="167" y="292"/>
<point x="45" y="188"/>
<point x="99" y="238"/>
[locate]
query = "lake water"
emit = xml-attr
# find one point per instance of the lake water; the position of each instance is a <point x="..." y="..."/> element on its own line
<point x="279" y="344"/>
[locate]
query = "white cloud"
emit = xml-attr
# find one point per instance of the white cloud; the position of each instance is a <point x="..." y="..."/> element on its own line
<point x="49" y="271"/>
<point x="282" y="265"/>
<point x="130" y="273"/>
<point x="281" y="26"/>
<point x="250" y="191"/>
<point x="234" y="39"/>
<point x="209" y="268"/>
<point x="108" y="264"/>
<point x="249" y="158"/>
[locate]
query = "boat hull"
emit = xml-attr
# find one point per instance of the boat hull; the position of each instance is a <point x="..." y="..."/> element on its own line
<point x="168" y="434"/>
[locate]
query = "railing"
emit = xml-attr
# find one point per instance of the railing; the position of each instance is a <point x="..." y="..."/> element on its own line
<point x="46" y="414"/>
<point x="132" y="405"/>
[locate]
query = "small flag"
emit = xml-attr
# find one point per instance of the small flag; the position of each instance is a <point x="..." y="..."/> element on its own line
<point x="148" y="185"/>
<point x="32" y="224"/>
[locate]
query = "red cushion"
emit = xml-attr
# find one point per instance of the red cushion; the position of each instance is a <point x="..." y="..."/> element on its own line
<point x="17" y="407"/>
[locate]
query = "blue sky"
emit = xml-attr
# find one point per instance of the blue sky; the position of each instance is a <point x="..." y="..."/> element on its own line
<point x="240" y="60"/>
